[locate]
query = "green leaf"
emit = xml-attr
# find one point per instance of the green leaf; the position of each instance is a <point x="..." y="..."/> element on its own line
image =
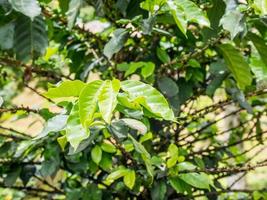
<point x="238" y="95"/>
<point x="62" y="141"/>
<point x="135" y="124"/>
<point x="184" y="11"/>
<point x="193" y="13"/>
<point x="54" y="124"/>
<point x="200" y="180"/>
<point x="30" y="39"/>
<point x="7" y="36"/>
<point x="163" y="55"/>
<point x="75" y="132"/>
<point x="12" y="176"/>
<point x="186" y="166"/>
<point x="88" y="101"/>
<point x="178" y="15"/>
<point x="115" y="175"/>
<point x="116" y="42"/>
<point x="259" y="68"/>
<point x="74" y="8"/>
<point x="260" y="7"/>
<point x="133" y="66"/>
<point x="1" y="101"/>
<point x="107" y="147"/>
<point x="219" y="72"/>
<point x="66" y="89"/>
<point x="118" y="129"/>
<point x="237" y="65"/>
<point x="29" y="8"/>
<point x="96" y="154"/>
<point x="233" y="22"/>
<point x="260" y="45"/>
<point x="148" y="69"/>
<point x="108" y="99"/>
<point x="106" y="162"/>
<point x="129" y="179"/>
<point x="149" y="97"/>
<point x="159" y="190"/>
<point x="173" y="154"/>
<point x="167" y="86"/>
<point x="144" y="154"/>
<point x="179" y="185"/>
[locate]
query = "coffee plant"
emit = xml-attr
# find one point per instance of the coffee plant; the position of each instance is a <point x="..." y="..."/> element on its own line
<point x="138" y="99"/>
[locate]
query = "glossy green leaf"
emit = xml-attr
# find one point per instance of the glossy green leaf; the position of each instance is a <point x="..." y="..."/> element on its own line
<point x="179" y="185"/>
<point x="66" y="89"/>
<point x="149" y="97"/>
<point x="260" y="45"/>
<point x="132" y="67"/>
<point x="54" y="124"/>
<point x="184" y="11"/>
<point x="108" y="147"/>
<point x="178" y="15"/>
<point x="148" y="69"/>
<point x="88" y="100"/>
<point x="129" y="179"/>
<point x="198" y="180"/>
<point x="116" y="42"/>
<point x="237" y="65"/>
<point x="75" y="132"/>
<point x="119" y="129"/>
<point x="135" y="124"/>
<point x="173" y="154"/>
<point x="107" y="99"/>
<point x="62" y="141"/>
<point x="116" y="175"/>
<point x="259" y="68"/>
<point x="96" y="154"/>
<point x="29" y="8"/>
<point x="233" y="22"/>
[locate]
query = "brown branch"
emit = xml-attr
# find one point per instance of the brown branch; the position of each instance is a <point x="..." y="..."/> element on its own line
<point x="224" y="147"/>
<point x="41" y="95"/>
<point x="48" y="184"/>
<point x="27" y="188"/>
<point x="233" y="169"/>
<point x="208" y="125"/>
<point x="221" y="192"/>
<point x="185" y="58"/>
<point x="34" y="69"/>
<point x="16" y="109"/>
<point x="18" y="133"/>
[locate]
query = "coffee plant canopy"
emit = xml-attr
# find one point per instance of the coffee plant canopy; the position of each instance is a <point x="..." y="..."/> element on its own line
<point x="138" y="99"/>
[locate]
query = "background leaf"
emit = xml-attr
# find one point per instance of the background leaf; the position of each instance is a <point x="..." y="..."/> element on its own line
<point x="29" y="8"/>
<point x="116" y="42"/>
<point x="30" y="38"/>
<point x="237" y="65"/>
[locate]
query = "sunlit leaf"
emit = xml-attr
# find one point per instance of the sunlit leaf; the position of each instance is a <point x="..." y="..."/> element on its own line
<point x="66" y="89"/>
<point x="152" y="100"/>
